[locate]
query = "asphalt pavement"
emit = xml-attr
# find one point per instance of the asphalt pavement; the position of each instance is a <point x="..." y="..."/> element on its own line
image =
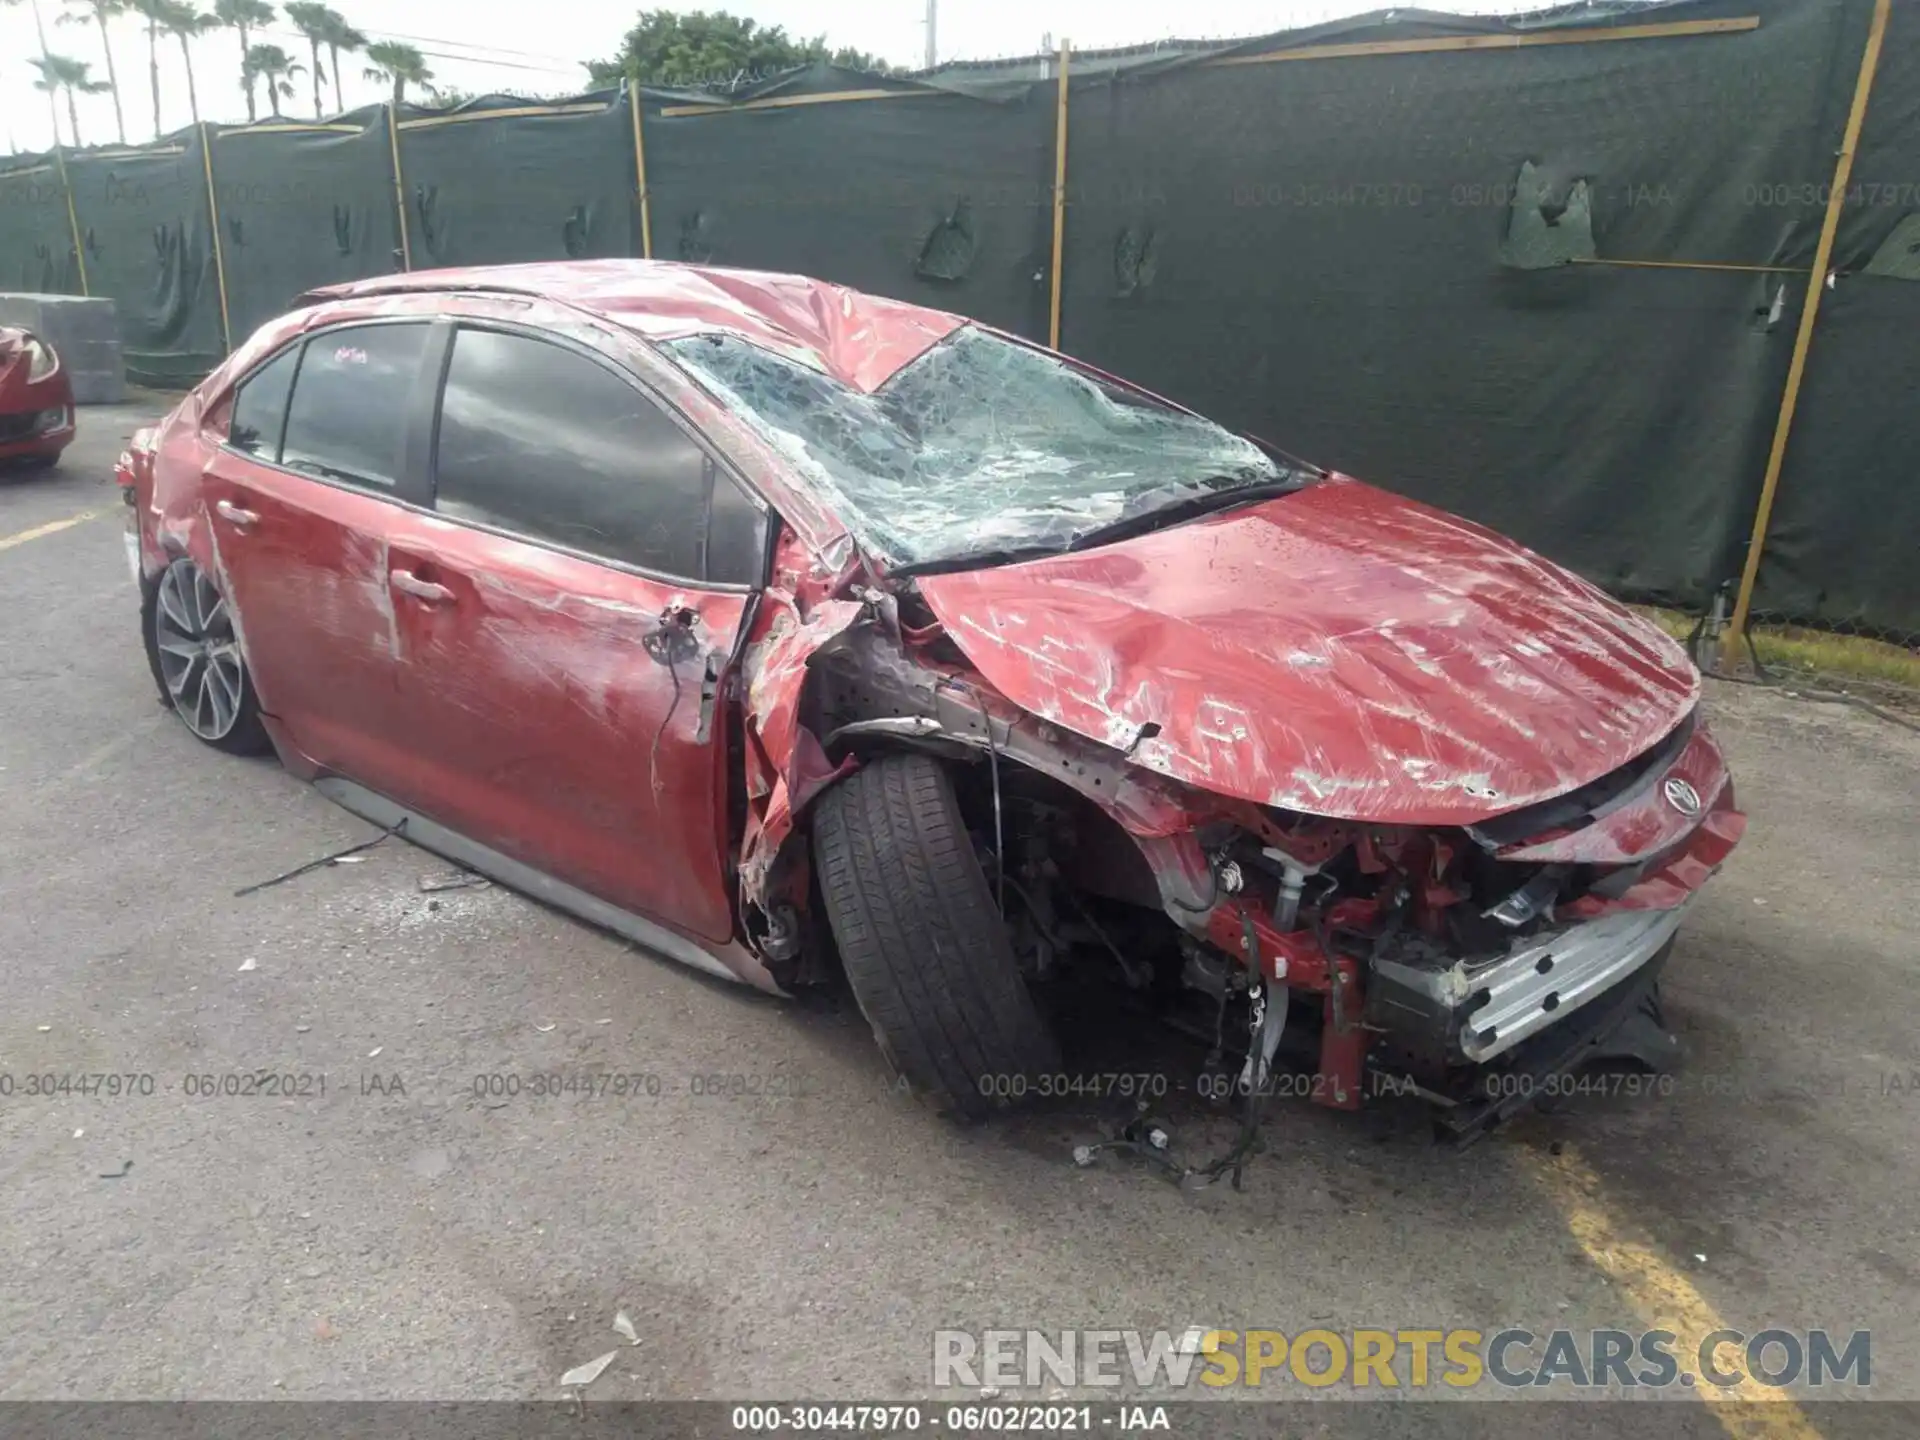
<point x="406" y="1219"/>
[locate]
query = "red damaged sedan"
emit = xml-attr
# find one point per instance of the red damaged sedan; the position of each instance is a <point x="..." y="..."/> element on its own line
<point x="36" y="401"/>
<point x="780" y="627"/>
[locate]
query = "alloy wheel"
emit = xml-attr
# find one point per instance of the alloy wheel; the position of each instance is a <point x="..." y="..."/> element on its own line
<point x="200" y="660"/>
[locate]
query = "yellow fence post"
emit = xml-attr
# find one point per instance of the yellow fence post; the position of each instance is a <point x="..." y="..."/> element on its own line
<point x="640" y="172"/>
<point x="73" y="216"/>
<point x="1809" y="313"/>
<point x="219" y="251"/>
<point x="399" y="189"/>
<point x="1059" y="198"/>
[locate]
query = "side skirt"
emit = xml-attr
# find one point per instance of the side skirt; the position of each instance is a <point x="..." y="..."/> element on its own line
<point x="517" y="875"/>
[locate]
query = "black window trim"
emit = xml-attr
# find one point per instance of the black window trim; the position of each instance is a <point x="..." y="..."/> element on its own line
<point x="413" y="487"/>
<point x="715" y="463"/>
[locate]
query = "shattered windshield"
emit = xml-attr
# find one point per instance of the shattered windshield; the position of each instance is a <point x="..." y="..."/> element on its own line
<point x="981" y="447"/>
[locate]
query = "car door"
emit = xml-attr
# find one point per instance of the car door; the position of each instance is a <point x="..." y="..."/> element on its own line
<point x="325" y="447"/>
<point x="567" y="620"/>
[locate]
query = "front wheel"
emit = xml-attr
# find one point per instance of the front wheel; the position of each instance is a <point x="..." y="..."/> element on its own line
<point x="926" y="952"/>
<point x="195" y="655"/>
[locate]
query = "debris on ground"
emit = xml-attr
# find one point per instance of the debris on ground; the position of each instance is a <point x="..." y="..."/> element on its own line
<point x="249" y="964"/>
<point x="453" y="880"/>
<point x="125" y="1166"/>
<point x="350" y="856"/>
<point x="588" y="1373"/>
<point x="623" y="1324"/>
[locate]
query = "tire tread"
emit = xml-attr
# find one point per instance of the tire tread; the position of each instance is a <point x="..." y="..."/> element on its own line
<point x="925" y="949"/>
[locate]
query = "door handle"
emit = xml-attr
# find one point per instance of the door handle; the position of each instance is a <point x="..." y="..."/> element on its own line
<point x="234" y="515"/>
<point x="409" y="583"/>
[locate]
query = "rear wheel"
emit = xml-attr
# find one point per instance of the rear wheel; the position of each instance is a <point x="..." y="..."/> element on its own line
<point x="926" y="952"/>
<point x="195" y="654"/>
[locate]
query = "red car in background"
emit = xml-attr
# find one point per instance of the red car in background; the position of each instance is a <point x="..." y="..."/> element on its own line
<point x="36" y="401"/>
<point x="769" y="623"/>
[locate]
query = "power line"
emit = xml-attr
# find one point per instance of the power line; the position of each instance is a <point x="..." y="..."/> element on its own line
<point x="300" y="39"/>
<point x="468" y="45"/>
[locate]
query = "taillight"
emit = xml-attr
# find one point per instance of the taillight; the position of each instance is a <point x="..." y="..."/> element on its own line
<point x="41" y="361"/>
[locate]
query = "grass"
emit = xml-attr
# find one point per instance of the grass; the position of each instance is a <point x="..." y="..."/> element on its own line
<point x="1803" y="651"/>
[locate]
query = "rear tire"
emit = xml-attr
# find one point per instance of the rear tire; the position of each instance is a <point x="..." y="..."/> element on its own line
<point x="925" y="951"/>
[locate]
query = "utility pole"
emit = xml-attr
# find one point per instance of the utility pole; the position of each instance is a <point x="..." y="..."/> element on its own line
<point x="933" y="42"/>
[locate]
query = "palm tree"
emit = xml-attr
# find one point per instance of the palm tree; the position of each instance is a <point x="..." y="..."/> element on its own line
<point x="155" y="13"/>
<point x="98" y="12"/>
<point x="313" y="19"/>
<point x="58" y="72"/>
<point x="38" y="23"/>
<point x="40" y="28"/>
<point x="402" y="65"/>
<point x="185" y="22"/>
<point x="273" y="65"/>
<point x="243" y="16"/>
<point x="340" y="36"/>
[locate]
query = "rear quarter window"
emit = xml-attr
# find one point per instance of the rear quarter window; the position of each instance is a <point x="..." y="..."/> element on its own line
<point x="260" y="407"/>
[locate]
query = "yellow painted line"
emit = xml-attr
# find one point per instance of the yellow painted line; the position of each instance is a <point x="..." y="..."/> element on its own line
<point x="52" y="527"/>
<point x="1665" y="1299"/>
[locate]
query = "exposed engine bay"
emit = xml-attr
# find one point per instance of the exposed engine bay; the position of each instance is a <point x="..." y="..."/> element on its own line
<point x="1427" y="956"/>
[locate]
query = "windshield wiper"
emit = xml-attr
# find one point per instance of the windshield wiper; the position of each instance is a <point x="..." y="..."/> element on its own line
<point x="982" y="559"/>
<point x="1184" y="508"/>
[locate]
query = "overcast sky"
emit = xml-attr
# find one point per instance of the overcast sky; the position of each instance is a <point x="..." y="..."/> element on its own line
<point x="482" y="45"/>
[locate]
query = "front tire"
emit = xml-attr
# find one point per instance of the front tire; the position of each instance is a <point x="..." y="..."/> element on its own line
<point x="194" y="652"/>
<point x="925" y="951"/>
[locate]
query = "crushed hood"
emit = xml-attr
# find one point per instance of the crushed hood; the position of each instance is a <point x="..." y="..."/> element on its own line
<point x="1338" y="651"/>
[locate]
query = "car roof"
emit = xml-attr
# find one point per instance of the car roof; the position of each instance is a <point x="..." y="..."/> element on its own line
<point x="859" y="339"/>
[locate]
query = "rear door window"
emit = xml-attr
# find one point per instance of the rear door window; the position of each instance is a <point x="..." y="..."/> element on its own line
<point x="352" y="404"/>
<point x="260" y="407"/>
<point x="541" y="441"/>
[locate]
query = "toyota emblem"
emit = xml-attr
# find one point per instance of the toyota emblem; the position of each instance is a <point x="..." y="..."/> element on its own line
<point x="1682" y="797"/>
